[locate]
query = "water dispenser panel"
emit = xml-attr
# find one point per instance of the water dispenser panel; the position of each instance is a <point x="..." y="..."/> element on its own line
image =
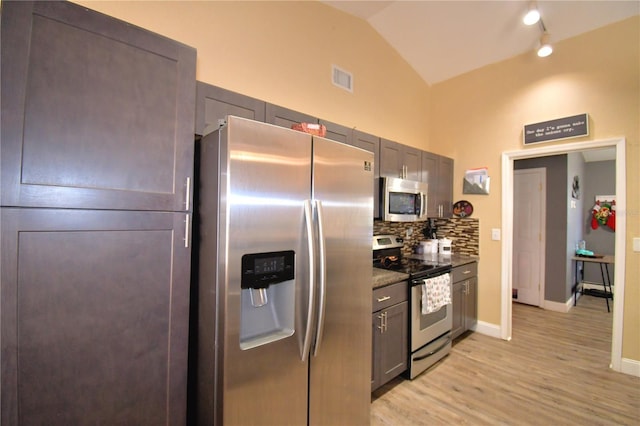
<point x="260" y="270"/>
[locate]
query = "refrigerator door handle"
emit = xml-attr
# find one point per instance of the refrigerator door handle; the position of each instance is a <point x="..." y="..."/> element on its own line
<point x="322" y="296"/>
<point x="308" y="218"/>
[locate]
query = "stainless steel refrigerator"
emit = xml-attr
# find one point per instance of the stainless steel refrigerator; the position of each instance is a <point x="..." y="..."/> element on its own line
<point x="285" y="278"/>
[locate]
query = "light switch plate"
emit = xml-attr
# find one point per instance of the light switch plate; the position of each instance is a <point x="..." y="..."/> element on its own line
<point x="636" y="244"/>
<point x="495" y="234"/>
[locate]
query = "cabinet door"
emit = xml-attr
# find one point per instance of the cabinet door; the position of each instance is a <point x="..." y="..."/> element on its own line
<point x="397" y="160"/>
<point x="391" y="158"/>
<point x="445" y="186"/>
<point x="336" y="132"/>
<point x="376" y="342"/>
<point x="411" y="159"/>
<point x="213" y="104"/>
<point x="96" y="113"/>
<point x="394" y="346"/>
<point x="367" y="142"/>
<point x="430" y="175"/>
<point x="284" y="117"/>
<point x="471" y="305"/>
<point x="94" y="317"/>
<point x="458" y="309"/>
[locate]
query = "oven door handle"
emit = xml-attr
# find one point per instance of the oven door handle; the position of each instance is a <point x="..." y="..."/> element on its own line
<point x="433" y="352"/>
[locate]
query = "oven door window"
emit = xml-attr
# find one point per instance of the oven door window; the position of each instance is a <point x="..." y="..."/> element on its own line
<point x="404" y="203"/>
<point x="428" y="320"/>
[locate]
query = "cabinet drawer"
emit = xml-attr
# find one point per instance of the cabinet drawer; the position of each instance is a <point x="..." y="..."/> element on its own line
<point x="384" y="297"/>
<point x="464" y="272"/>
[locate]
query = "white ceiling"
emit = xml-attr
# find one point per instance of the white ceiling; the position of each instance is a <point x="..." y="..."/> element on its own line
<point x="443" y="39"/>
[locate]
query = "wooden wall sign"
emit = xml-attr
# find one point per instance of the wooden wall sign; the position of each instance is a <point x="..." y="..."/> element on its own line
<point x="560" y="128"/>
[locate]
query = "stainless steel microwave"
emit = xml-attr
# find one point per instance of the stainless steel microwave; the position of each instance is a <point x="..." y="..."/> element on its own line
<point x="403" y="200"/>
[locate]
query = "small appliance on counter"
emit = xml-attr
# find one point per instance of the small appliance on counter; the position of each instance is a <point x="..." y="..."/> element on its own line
<point x="428" y="247"/>
<point x="430" y="231"/>
<point x="444" y="246"/>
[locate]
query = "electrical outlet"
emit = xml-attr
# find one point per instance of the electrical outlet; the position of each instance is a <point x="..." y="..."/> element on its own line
<point x="636" y="244"/>
<point x="495" y="234"/>
<point x="409" y="232"/>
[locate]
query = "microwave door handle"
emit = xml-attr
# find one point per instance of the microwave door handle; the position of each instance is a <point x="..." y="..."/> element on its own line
<point x="322" y="296"/>
<point x="308" y="218"/>
<point x="423" y="204"/>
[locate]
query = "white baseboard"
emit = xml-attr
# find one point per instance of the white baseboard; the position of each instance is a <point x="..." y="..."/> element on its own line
<point x="488" y="329"/>
<point x="630" y="367"/>
<point x="558" y="306"/>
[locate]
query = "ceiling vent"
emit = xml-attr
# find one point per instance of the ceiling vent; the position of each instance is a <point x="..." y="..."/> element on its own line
<point x="342" y="78"/>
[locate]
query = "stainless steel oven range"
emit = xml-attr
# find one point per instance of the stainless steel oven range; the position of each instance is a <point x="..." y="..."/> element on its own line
<point x="430" y="313"/>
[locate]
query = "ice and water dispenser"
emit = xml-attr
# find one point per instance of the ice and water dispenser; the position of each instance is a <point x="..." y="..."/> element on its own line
<point x="268" y="298"/>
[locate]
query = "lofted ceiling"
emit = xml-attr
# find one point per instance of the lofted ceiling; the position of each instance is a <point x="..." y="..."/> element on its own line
<point x="443" y="39"/>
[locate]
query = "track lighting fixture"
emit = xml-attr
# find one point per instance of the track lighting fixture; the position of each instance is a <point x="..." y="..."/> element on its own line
<point x="545" y="48"/>
<point x="533" y="15"/>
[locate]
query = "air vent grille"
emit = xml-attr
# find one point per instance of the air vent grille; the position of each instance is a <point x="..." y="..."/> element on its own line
<point x="342" y="78"/>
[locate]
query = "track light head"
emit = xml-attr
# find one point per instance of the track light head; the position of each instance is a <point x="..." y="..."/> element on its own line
<point x="545" y="49"/>
<point x="532" y="16"/>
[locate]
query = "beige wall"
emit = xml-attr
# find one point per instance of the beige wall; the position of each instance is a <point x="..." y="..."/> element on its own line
<point x="480" y="114"/>
<point x="282" y="52"/>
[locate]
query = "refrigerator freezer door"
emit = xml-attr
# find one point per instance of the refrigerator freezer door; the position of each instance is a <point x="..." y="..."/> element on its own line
<point x="340" y="378"/>
<point x="265" y="182"/>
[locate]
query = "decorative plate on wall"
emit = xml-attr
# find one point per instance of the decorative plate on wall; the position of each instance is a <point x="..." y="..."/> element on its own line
<point x="462" y="208"/>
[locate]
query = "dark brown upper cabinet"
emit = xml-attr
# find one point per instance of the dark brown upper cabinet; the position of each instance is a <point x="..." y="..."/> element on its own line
<point x="285" y="117"/>
<point x="337" y="132"/>
<point x="437" y="171"/>
<point x="214" y="104"/>
<point x="96" y="113"/>
<point x="400" y="161"/>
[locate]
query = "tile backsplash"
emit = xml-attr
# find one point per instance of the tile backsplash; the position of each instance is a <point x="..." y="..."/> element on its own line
<point x="464" y="233"/>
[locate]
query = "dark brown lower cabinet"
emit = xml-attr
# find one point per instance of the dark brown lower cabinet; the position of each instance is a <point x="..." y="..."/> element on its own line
<point x="464" y="298"/>
<point x="390" y="327"/>
<point x="94" y="317"/>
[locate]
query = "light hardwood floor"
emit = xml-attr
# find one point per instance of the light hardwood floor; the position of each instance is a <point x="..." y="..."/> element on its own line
<point x="554" y="371"/>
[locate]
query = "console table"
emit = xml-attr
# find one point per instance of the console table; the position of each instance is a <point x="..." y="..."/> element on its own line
<point x="604" y="262"/>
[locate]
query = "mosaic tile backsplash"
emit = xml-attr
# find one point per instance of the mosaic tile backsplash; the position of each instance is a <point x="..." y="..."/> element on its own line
<point x="464" y="233"/>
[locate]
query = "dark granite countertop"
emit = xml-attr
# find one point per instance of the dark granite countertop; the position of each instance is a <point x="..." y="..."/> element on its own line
<point x="455" y="259"/>
<point x="382" y="277"/>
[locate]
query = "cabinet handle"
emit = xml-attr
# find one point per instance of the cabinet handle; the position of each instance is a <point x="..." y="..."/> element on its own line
<point x="468" y="271"/>
<point x="187" y="197"/>
<point x="381" y="326"/>
<point x="385" y="320"/>
<point x="186" y="231"/>
<point x="382" y="299"/>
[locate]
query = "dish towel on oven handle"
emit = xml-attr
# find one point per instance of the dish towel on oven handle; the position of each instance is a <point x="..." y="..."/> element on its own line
<point x="436" y="293"/>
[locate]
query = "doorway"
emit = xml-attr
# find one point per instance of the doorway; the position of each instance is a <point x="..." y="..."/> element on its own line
<point x="508" y="159"/>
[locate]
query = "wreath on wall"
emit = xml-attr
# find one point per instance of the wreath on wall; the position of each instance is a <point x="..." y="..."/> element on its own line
<point x="604" y="214"/>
